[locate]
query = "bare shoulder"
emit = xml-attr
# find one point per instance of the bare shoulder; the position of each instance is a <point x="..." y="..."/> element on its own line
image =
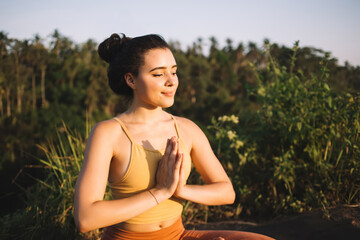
<point x="109" y="129"/>
<point x="186" y="125"/>
<point x="190" y="131"/>
<point x="103" y="141"/>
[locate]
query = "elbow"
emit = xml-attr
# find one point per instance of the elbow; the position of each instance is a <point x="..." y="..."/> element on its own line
<point x="227" y="194"/>
<point x="226" y="199"/>
<point x="82" y="224"/>
<point x="229" y="199"/>
<point x="83" y="230"/>
<point x="231" y="195"/>
<point x="82" y="219"/>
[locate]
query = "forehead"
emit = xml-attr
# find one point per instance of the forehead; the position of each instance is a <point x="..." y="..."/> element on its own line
<point x="159" y="57"/>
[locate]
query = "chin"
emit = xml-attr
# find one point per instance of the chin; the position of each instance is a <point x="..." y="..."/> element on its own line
<point x="166" y="104"/>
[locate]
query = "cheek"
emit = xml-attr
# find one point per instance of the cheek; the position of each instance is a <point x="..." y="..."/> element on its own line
<point x="151" y="87"/>
<point x="176" y="84"/>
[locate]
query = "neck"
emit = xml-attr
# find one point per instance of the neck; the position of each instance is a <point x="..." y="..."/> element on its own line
<point x="144" y="114"/>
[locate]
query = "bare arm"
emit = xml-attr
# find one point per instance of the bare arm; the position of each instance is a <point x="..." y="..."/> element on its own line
<point x="90" y="210"/>
<point x="218" y="188"/>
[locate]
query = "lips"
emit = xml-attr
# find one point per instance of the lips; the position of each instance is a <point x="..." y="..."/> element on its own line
<point x="168" y="94"/>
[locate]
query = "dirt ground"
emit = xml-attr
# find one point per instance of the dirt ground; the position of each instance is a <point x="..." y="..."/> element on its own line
<point x="337" y="223"/>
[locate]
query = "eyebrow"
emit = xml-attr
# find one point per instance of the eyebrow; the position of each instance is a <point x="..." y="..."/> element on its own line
<point x="157" y="68"/>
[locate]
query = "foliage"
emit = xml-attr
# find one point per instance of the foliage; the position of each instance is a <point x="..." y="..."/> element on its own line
<point x="307" y="124"/>
<point x="299" y="151"/>
<point x="50" y="201"/>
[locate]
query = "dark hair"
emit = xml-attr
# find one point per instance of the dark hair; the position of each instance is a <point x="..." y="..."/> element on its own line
<point x="126" y="55"/>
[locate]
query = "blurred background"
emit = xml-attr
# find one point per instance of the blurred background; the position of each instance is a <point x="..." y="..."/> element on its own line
<point x="330" y="25"/>
<point x="273" y="84"/>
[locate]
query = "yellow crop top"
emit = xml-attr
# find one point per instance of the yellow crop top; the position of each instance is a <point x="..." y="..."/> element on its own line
<point x="140" y="176"/>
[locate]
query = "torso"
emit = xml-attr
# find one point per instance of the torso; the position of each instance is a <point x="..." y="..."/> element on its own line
<point x="150" y="137"/>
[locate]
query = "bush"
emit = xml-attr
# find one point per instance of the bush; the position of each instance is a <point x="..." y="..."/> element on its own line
<point x="299" y="151"/>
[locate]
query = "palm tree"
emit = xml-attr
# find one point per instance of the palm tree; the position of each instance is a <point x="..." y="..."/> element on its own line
<point x="4" y="42"/>
<point x="20" y="52"/>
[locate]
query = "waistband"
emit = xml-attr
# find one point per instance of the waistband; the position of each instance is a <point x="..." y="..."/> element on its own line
<point x="172" y="232"/>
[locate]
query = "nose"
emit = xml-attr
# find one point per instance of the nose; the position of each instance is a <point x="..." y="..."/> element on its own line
<point x="171" y="79"/>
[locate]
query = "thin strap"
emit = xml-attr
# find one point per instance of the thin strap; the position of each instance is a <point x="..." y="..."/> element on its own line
<point x="124" y="128"/>
<point x="176" y="126"/>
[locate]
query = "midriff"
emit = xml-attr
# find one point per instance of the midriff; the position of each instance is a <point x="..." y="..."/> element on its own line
<point x="148" y="227"/>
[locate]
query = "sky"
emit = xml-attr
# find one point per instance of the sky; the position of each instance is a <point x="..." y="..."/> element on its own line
<point x="330" y="25"/>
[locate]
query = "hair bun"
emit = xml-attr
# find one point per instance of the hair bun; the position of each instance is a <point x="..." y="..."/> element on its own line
<point x="111" y="46"/>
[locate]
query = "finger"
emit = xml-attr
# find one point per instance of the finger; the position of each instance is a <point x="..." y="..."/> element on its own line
<point x="178" y="149"/>
<point x="160" y="167"/>
<point x="172" y="156"/>
<point x="168" y="147"/>
<point x="179" y="162"/>
<point x="167" y="154"/>
<point x="162" y="163"/>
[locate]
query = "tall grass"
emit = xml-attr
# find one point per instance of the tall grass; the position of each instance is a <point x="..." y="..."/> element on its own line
<point x="49" y="214"/>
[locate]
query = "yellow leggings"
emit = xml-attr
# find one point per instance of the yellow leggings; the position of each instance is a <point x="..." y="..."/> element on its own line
<point x="177" y="232"/>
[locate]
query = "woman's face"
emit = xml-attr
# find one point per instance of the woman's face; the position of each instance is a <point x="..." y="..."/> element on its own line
<point x="156" y="83"/>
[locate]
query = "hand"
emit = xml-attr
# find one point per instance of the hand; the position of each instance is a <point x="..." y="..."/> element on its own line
<point x="168" y="172"/>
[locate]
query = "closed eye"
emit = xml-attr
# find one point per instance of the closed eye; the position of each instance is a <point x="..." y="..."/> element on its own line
<point x="157" y="75"/>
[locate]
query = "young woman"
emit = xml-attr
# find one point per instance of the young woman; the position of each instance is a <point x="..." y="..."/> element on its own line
<point x="145" y="154"/>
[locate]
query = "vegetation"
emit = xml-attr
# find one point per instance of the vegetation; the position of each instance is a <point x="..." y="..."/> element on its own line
<point x="284" y="122"/>
<point x="299" y="151"/>
<point x="50" y="201"/>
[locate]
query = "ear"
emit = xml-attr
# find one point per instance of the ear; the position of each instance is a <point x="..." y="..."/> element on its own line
<point x="130" y="80"/>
